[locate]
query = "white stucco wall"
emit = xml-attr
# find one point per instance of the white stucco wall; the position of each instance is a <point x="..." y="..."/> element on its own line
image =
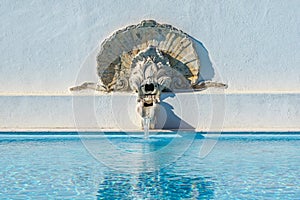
<point x="201" y="112"/>
<point x="252" y="45"/>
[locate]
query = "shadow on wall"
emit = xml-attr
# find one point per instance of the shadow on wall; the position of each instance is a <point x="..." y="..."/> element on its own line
<point x="167" y="119"/>
<point x="207" y="72"/>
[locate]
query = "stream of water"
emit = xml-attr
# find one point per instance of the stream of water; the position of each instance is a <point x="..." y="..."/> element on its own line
<point x="146" y="127"/>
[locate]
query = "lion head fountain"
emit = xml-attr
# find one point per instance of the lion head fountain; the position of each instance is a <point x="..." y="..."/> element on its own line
<point x="148" y="58"/>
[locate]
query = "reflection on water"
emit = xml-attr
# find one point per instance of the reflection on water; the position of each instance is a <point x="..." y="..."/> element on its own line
<point x="154" y="185"/>
<point x="136" y="155"/>
<point x="152" y="174"/>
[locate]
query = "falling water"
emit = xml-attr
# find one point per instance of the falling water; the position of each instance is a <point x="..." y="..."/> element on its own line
<point x="146" y="127"/>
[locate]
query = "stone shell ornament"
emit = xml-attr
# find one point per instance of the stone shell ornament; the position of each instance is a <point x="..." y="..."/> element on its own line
<point x="118" y="53"/>
<point x="148" y="53"/>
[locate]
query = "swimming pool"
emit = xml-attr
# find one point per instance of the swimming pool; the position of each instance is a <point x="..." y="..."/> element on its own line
<point x="239" y="166"/>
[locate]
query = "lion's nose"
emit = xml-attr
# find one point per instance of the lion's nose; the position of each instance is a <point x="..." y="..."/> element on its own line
<point x="149" y="87"/>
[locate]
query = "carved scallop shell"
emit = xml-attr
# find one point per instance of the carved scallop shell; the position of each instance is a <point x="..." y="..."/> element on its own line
<point x="117" y="52"/>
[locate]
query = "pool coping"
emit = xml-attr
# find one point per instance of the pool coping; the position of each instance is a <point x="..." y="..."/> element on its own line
<point x="140" y="132"/>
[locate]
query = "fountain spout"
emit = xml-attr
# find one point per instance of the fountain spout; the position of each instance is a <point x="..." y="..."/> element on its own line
<point x="147" y="108"/>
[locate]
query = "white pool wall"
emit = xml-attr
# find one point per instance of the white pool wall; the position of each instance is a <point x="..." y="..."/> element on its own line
<point x="241" y="112"/>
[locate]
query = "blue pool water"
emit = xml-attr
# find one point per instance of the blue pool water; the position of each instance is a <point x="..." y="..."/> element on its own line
<point x="65" y="167"/>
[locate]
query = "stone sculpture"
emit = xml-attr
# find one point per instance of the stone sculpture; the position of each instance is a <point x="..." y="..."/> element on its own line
<point x="148" y="58"/>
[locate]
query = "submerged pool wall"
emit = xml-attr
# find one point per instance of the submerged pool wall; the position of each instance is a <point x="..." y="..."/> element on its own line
<point x="251" y="46"/>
